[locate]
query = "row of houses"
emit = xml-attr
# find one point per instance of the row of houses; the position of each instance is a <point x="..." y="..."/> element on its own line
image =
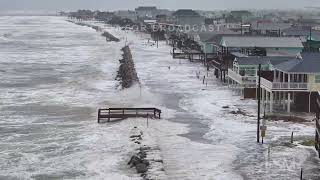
<point x="287" y="83"/>
<point x="287" y="53"/>
<point x="290" y="77"/>
<point x="288" y="56"/>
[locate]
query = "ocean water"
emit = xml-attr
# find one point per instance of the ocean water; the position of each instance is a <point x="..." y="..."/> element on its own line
<point x="53" y="77"/>
<point x="55" y="74"/>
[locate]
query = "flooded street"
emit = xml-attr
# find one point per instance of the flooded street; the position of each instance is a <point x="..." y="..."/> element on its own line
<point x="55" y="75"/>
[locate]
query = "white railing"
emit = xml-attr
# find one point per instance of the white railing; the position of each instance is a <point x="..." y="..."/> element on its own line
<point x="265" y="83"/>
<point x="235" y="76"/>
<point x="283" y="85"/>
<point x="246" y="81"/>
<point x="279" y="85"/>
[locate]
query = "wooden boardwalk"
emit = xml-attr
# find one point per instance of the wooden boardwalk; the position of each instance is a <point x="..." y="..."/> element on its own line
<point x="123" y="113"/>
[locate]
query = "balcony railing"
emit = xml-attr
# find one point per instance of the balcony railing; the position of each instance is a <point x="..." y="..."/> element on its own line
<point x="245" y="81"/>
<point x="283" y="85"/>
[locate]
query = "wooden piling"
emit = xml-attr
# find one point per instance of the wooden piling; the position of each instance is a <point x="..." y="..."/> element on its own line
<point x="99" y="112"/>
<point x="109" y="116"/>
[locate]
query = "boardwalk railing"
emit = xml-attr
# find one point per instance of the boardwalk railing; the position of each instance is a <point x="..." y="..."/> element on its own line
<point x="123" y="113"/>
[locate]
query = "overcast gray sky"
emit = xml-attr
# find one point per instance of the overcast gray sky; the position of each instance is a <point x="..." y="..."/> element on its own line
<point x="169" y="4"/>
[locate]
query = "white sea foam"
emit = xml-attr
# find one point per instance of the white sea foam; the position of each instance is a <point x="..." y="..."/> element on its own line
<point x="48" y="121"/>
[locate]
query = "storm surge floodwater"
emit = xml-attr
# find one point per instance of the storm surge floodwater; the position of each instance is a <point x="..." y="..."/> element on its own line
<point x="55" y="74"/>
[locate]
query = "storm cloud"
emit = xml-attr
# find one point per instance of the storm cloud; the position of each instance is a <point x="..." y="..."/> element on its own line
<point x="168" y="4"/>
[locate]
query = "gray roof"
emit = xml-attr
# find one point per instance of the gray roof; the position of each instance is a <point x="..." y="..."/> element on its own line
<point x="269" y="26"/>
<point x="314" y="56"/>
<point x="208" y="35"/>
<point x="308" y="64"/>
<point x="302" y="31"/>
<point x="185" y="12"/>
<point x="263" y="60"/>
<point x="146" y="8"/>
<point x="238" y="54"/>
<point x="263" y="42"/>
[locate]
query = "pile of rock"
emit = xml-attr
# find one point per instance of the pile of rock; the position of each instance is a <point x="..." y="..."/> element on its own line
<point x="127" y="74"/>
<point x="147" y="158"/>
<point x="110" y="37"/>
<point x="138" y="160"/>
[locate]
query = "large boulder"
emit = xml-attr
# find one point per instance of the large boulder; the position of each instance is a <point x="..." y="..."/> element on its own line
<point x="141" y="168"/>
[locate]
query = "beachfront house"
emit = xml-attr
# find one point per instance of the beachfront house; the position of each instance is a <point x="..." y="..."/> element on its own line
<point x="207" y="38"/>
<point x="303" y="32"/>
<point x="226" y="45"/>
<point x="188" y="18"/>
<point x="268" y="28"/>
<point x="272" y="46"/>
<point x="243" y="75"/>
<point x="241" y="16"/>
<point x="127" y="14"/>
<point x="317" y="136"/>
<point x="309" y="36"/>
<point x="146" y="11"/>
<point x="293" y="84"/>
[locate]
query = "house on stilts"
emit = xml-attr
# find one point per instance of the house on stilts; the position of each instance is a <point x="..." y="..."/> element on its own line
<point x="242" y="75"/>
<point x="227" y="45"/>
<point x="292" y="85"/>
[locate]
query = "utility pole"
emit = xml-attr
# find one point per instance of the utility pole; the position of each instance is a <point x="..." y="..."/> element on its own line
<point x="259" y="99"/>
<point x="158" y="39"/>
<point x="310" y="38"/>
<point x="241" y="26"/>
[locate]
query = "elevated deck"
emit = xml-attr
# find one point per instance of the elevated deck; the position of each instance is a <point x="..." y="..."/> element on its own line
<point x="123" y="113"/>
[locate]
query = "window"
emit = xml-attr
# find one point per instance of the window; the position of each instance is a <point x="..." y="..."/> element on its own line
<point x="317" y="78"/>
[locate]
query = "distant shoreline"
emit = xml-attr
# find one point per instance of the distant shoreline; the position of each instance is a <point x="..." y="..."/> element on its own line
<point x="15" y="15"/>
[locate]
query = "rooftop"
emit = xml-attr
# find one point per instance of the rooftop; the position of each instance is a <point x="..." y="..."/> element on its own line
<point x="309" y="63"/>
<point x="185" y="12"/>
<point x="263" y="42"/>
<point x="238" y="54"/>
<point x="263" y="60"/>
<point x="302" y="31"/>
<point x="146" y="8"/>
<point x="269" y="26"/>
<point x="208" y="35"/>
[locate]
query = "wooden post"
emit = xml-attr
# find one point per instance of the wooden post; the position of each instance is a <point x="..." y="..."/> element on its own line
<point x="158" y="40"/>
<point x="109" y="116"/>
<point x="292" y="137"/>
<point x="99" y="111"/>
<point x="259" y="99"/>
<point x="289" y="103"/>
<point x="147" y="119"/>
<point x="271" y="102"/>
<point x="301" y="174"/>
